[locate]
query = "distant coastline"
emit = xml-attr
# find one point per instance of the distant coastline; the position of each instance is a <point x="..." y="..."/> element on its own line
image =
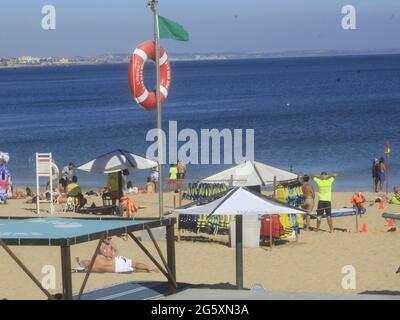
<point x="32" y="61"/>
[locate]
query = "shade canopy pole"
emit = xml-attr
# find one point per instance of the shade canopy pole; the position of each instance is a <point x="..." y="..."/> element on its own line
<point x="239" y="252"/>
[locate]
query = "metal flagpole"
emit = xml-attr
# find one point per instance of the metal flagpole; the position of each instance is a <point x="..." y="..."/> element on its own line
<point x="153" y="5"/>
<point x="387" y="152"/>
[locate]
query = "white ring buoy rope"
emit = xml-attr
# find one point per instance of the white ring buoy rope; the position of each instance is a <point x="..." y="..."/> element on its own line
<point x="143" y="52"/>
<point x="55" y="173"/>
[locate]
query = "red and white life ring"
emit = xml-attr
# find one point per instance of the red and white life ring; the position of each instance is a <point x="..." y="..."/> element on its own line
<point x="143" y="52"/>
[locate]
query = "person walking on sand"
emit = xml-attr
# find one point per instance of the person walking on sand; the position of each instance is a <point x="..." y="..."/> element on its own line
<point x="324" y="183"/>
<point x="309" y="196"/>
<point x="381" y="173"/>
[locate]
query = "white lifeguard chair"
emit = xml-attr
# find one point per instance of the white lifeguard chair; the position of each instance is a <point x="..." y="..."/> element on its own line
<point x="44" y="168"/>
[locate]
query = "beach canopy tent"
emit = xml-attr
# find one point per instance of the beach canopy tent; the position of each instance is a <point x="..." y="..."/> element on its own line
<point x="251" y="173"/>
<point x="116" y="161"/>
<point x="240" y="202"/>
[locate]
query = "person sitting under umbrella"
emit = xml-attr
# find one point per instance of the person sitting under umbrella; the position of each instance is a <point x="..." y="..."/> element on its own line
<point x="74" y="191"/>
<point x="113" y="185"/>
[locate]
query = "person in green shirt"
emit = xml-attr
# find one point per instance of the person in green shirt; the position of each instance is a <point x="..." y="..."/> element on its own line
<point x="324" y="183"/>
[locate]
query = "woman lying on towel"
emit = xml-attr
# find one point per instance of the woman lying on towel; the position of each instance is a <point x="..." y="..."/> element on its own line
<point x="108" y="261"/>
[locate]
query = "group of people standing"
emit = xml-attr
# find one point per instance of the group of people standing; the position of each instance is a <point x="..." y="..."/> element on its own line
<point x="324" y="183"/>
<point x="177" y="174"/>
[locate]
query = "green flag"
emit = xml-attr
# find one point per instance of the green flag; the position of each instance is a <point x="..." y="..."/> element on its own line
<point x="171" y="30"/>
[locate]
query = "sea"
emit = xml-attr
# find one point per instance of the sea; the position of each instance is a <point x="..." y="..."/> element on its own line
<point x="309" y="115"/>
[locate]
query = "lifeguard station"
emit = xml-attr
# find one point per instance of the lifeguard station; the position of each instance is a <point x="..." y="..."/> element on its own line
<point x="44" y="168"/>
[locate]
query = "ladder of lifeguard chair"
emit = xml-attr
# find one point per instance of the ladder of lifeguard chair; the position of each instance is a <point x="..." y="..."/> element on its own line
<point x="44" y="169"/>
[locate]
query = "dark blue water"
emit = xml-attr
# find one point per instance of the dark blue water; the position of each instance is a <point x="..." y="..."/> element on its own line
<point x="312" y="114"/>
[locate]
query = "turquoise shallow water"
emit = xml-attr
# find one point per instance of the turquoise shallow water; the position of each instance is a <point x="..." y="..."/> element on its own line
<point x="309" y="114"/>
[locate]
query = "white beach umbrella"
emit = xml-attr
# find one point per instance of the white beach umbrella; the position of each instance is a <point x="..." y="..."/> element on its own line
<point x="240" y="202"/>
<point x="117" y="160"/>
<point x="251" y="173"/>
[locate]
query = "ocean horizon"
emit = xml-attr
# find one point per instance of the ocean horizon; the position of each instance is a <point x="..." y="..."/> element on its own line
<point x="309" y="114"/>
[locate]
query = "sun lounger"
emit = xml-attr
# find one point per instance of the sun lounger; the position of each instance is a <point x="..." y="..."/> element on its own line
<point x="394" y="216"/>
<point x="103" y="210"/>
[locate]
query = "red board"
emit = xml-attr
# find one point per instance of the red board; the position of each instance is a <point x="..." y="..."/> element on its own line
<point x="277" y="227"/>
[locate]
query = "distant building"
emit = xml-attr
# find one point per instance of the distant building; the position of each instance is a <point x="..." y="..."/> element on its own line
<point x="28" y="60"/>
<point x="63" y="61"/>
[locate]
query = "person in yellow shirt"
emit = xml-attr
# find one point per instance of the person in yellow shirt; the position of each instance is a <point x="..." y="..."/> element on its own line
<point x="324" y="183"/>
<point x="75" y="191"/>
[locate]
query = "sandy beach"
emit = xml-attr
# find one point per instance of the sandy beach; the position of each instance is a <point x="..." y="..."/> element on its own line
<point x="313" y="264"/>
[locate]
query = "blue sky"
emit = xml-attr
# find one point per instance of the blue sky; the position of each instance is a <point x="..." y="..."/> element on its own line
<point x="98" y="27"/>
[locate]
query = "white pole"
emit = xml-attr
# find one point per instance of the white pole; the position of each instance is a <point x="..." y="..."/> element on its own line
<point x="37" y="185"/>
<point x="153" y="5"/>
<point x="51" y="184"/>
